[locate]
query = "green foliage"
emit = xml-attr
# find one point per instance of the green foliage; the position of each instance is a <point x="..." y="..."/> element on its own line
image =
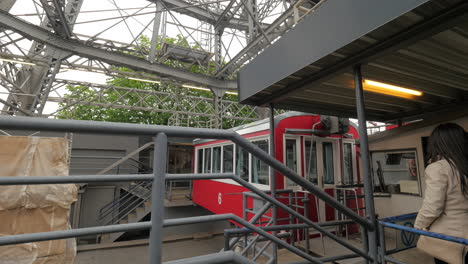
<point x="113" y="105"/>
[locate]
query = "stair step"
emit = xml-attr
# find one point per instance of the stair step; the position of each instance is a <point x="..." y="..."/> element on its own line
<point x="140" y="210"/>
<point x="133" y="217"/>
<point x="123" y="221"/>
<point x="105" y="238"/>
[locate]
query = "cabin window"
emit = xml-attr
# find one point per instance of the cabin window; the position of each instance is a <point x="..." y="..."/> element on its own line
<point x="260" y="171"/>
<point x="328" y="166"/>
<point x="200" y="161"/>
<point x="395" y="172"/>
<point x="242" y="166"/>
<point x="311" y="162"/>
<point x="207" y="164"/>
<point x="228" y="158"/>
<point x="216" y="159"/>
<point x="348" y="163"/>
<point x="291" y="158"/>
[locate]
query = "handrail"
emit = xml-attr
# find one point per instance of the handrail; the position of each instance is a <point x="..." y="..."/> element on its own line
<point x="130" y="207"/>
<point x="120" y="204"/>
<point x="115" y="201"/>
<point x="160" y="176"/>
<point x="403" y="217"/>
<point x="249" y="186"/>
<point x="389" y="222"/>
<point x="95" y="127"/>
<point x="458" y="240"/>
<point x="128" y="156"/>
<point x="43" y="236"/>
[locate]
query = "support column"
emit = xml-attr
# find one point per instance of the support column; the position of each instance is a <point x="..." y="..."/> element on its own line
<point x="218" y="107"/>
<point x="157" y="198"/>
<point x="273" y="179"/>
<point x="154" y="38"/>
<point x="365" y="158"/>
<point x="252" y="20"/>
<point x="218" y="47"/>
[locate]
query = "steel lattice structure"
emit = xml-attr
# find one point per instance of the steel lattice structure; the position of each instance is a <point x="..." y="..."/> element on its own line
<point x="40" y="40"/>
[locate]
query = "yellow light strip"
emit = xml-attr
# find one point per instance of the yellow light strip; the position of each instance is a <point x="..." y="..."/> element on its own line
<point x="203" y="88"/>
<point x="143" y="80"/>
<point x="195" y="87"/>
<point x="381" y="87"/>
<point x="20" y="62"/>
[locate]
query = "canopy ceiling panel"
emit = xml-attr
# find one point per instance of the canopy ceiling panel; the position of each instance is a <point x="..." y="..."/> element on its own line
<point x="421" y="45"/>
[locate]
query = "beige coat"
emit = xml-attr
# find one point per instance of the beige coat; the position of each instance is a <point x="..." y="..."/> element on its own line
<point x="445" y="211"/>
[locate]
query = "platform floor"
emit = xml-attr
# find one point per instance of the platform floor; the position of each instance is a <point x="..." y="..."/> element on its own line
<point x="137" y="253"/>
<point x="332" y="248"/>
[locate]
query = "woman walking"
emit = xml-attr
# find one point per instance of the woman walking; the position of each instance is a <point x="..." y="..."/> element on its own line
<point x="445" y="206"/>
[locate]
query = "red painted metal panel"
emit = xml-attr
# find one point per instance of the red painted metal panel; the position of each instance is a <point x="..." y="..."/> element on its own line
<point x="220" y="197"/>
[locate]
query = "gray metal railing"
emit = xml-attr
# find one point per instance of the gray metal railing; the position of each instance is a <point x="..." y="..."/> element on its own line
<point x="408" y="231"/>
<point x="118" y="209"/>
<point x="158" y="179"/>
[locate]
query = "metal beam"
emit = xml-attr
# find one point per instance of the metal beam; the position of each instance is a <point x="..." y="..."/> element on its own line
<point x="227" y="15"/>
<point x="155" y="36"/>
<point x="203" y="14"/>
<point x="257" y="44"/>
<point x="39" y="79"/>
<point x="184" y="106"/>
<point x="39" y="34"/>
<point x="6" y="5"/>
<point x="55" y="11"/>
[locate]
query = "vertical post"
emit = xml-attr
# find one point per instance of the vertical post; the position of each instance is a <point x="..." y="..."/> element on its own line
<point x="218" y="44"/>
<point x="306" y="214"/>
<point x="245" y="205"/>
<point x="383" y="246"/>
<point x="252" y="17"/>
<point x="226" y="241"/>
<point x="154" y="38"/>
<point x="218" y="106"/>
<point x="366" y="169"/>
<point x="365" y="246"/>
<point x="157" y="198"/>
<point x="273" y="179"/>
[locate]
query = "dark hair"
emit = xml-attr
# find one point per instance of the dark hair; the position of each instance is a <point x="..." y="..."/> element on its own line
<point x="449" y="141"/>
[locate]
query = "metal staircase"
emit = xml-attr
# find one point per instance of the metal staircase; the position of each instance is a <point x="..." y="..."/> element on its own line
<point x="133" y="205"/>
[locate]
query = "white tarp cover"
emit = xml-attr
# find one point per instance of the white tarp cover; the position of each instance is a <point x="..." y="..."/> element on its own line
<point x="35" y="208"/>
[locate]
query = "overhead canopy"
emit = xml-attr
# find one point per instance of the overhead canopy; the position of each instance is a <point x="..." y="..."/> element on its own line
<point x="416" y="44"/>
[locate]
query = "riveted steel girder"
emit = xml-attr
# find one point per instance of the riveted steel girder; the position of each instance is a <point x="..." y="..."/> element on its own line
<point x="76" y="47"/>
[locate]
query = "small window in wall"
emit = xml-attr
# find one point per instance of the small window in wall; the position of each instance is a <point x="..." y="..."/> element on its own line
<point x="395" y="172"/>
<point x="311" y="162"/>
<point x="242" y="163"/>
<point x="348" y="163"/>
<point x="216" y="159"/>
<point x="291" y="158"/>
<point x="228" y="158"/>
<point x="207" y="165"/>
<point x="200" y="161"/>
<point x="328" y="167"/>
<point x="260" y="171"/>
